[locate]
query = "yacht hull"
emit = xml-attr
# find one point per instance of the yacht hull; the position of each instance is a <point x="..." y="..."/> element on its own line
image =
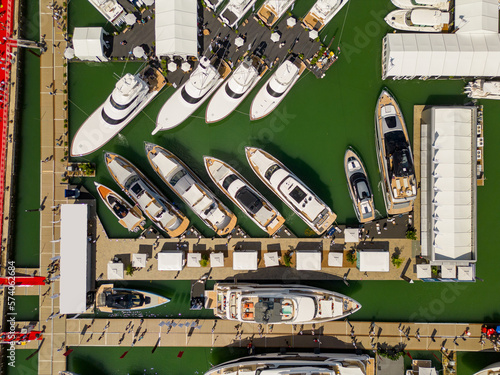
<point x="430" y="4"/>
<point x="156" y="300"/>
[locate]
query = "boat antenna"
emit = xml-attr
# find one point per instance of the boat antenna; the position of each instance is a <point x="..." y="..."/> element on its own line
<point x="343" y="25"/>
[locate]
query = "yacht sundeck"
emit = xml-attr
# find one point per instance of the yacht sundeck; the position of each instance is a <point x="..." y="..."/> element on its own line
<point x="244" y="195"/>
<point x="130" y="96"/>
<point x="234" y="11"/>
<point x="395" y="159"/>
<point x="291" y="190"/>
<point x="272" y="10"/>
<point x="422" y="20"/>
<point x="153" y="203"/>
<point x="278" y="304"/>
<point x="188" y="187"/>
<point x="359" y="187"/>
<point x="481" y="89"/>
<point x="235" y="89"/>
<point x="109" y="299"/>
<point x="204" y="80"/>
<point x="321" y="13"/>
<point x="443" y="5"/>
<point x="275" y="89"/>
<point x="129" y="217"/>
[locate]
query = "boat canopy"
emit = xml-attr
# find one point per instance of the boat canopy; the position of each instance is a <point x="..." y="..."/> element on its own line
<point x="122" y="174"/>
<point x="123" y="299"/>
<point x="305" y="308"/>
<point x="164" y="164"/>
<point x="476" y="16"/>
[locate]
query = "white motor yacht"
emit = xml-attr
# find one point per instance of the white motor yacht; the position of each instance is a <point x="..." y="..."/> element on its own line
<point x="493" y="369"/>
<point x="481" y="89"/>
<point x="277" y="87"/>
<point x="131" y="95"/>
<point x="110" y="9"/>
<point x="234" y="10"/>
<point x="420" y="20"/>
<point x="272" y="10"/>
<point x="153" y="203"/>
<point x="291" y="190"/>
<point x="204" y="80"/>
<point x="443" y="5"/>
<point x="244" y="195"/>
<point x="278" y="304"/>
<point x="321" y="13"/>
<point x="235" y="89"/>
<point x="110" y="299"/>
<point x="395" y="159"/>
<point x="189" y="187"/>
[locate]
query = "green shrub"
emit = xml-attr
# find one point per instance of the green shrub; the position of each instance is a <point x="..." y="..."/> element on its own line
<point x="287" y="259"/>
<point x="351" y="256"/>
<point x="396" y="260"/>
<point x="205" y="260"/>
<point x="129" y="270"/>
<point x="411" y="234"/>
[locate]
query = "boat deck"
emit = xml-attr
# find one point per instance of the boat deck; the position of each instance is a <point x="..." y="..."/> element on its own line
<point x="157" y="81"/>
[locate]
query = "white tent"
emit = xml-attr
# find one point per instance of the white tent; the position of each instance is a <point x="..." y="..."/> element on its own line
<point x="89" y="43"/>
<point x="245" y="260"/>
<point x="424" y="271"/>
<point x="271" y="259"/>
<point x="449" y="271"/>
<point x="186" y="67"/>
<point x="130" y="19"/>
<point x="115" y="271"/>
<point x="465" y="273"/>
<point x="308" y="260"/>
<point x="172" y="66"/>
<point x="171" y="261"/>
<point x="313" y="34"/>
<point x="291" y="21"/>
<point x="373" y="261"/>
<point x="335" y="259"/>
<point x="193" y="260"/>
<point x="148" y="2"/>
<point x="69" y="53"/>
<point x="139" y="260"/>
<point x="239" y="41"/>
<point x="275" y="37"/>
<point x="476" y="16"/>
<point x="351" y="235"/>
<point x="138" y="52"/>
<point x="216" y="260"/>
<point x="176" y="28"/>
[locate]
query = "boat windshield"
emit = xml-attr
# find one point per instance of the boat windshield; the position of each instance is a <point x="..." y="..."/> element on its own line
<point x="119" y="106"/>
<point x="233" y="94"/>
<point x="248" y="199"/>
<point x="137" y="189"/>
<point x="228" y="181"/>
<point x="394" y="140"/>
<point x="188" y="98"/>
<point x="176" y="177"/>
<point x="358" y="181"/>
<point x="298" y="194"/>
<point x="402" y="164"/>
<point x="273" y="93"/>
<point x="124" y="300"/>
<point x="270" y="171"/>
<point x="120" y="210"/>
<point x="391" y="121"/>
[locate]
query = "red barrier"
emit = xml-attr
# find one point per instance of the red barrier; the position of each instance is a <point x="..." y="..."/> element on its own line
<point x="22" y="281"/>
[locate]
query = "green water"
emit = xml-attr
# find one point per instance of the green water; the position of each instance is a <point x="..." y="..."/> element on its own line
<point x="26" y="308"/>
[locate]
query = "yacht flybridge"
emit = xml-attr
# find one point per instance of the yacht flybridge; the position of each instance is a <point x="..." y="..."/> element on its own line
<point x="278" y="304"/>
<point x="443" y="5"/>
<point x="291" y="190"/>
<point x="395" y="159"/>
<point x="234" y="10"/>
<point x="202" y="82"/>
<point x="188" y="187"/>
<point x="153" y="203"/>
<point x="244" y="195"/>
<point x="130" y="96"/>
<point x="272" y="10"/>
<point x="419" y="19"/>
<point x="322" y="12"/>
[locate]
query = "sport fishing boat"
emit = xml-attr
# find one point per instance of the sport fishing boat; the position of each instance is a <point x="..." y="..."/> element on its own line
<point x="153" y="203"/>
<point x="234" y="10"/>
<point x="481" y="89"/>
<point x="131" y="95"/>
<point x="109" y="299"/>
<point x="235" y="89"/>
<point x="275" y="89"/>
<point x="395" y="159"/>
<point x="278" y="304"/>
<point x="291" y="190"/>
<point x="443" y="5"/>
<point x="298" y="363"/>
<point x="272" y="10"/>
<point x="205" y="79"/>
<point x="129" y="217"/>
<point x="321" y="13"/>
<point x="420" y="20"/>
<point x="244" y="195"/>
<point x="493" y="369"/>
<point x="359" y="187"/>
<point x="189" y="187"/>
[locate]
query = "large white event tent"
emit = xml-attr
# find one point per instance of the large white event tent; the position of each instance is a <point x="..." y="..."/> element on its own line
<point x="476" y="16"/>
<point x="88" y="43"/>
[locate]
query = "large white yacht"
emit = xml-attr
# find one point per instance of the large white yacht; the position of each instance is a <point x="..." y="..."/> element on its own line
<point x="291" y="190"/>
<point x="234" y="10"/>
<point x="321" y="13"/>
<point x="443" y="5"/>
<point x="235" y="89"/>
<point x="419" y="20"/>
<point x="110" y="9"/>
<point x="278" y="304"/>
<point x="131" y="95"/>
<point x="244" y="195"/>
<point x="298" y="363"/>
<point x="188" y="187"/>
<point x="481" y="89"/>
<point x="395" y="159"/>
<point x="275" y="89"/>
<point x="272" y="10"/>
<point x="204" y="80"/>
<point x="153" y="203"/>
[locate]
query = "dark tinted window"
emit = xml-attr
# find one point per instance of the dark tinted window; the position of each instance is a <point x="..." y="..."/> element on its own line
<point x="120" y="106"/>
<point x="391" y="122"/>
<point x="228" y="181"/>
<point x="232" y="94"/>
<point x="272" y="92"/>
<point x="273" y="168"/>
<point x="188" y="98"/>
<point x="298" y="194"/>
<point x="176" y="177"/>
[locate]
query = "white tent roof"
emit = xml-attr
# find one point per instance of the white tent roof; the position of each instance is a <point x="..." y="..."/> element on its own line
<point x="308" y="260"/>
<point x="271" y="259"/>
<point x="465" y="273"/>
<point x="193" y="260"/>
<point x="176" y="28"/>
<point x="351" y="235"/>
<point x="216" y="260"/>
<point x="171" y="261"/>
<point x="245" y="260"/>
<point x="74" y="259"/>
<point x="335" y="259"/>
<point x="115" y="271"/>
<point x="476" y="16"/>
<point x="373" y="261"/>
<point x="139" y="260"/>
<point x="449" y="271"/>
<point x="424" y="271"/>
<point x="88" y="43"/>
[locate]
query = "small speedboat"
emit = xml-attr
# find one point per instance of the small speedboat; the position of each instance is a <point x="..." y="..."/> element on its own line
<point x="129" y="217"/>
<point x="275" y="89"/>
<point x="321" y="13"/>
<point x="244" y="195"/>
<point x="359" y="187"/>
<point x="291" y="190"/>
<point x="109" y="299"/>
<point x="481" y="89"/>
<point x="443" y="5"/>
<point x="420" y="20"/>
<point x="234" y="10"/>
<point x="272" y="10"/>
<point x="189" y="187"/>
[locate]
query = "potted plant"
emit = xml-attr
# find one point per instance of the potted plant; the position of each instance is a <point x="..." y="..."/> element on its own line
<point x="411" y="234"/>
<point x="205" y="260"/>
<point x="351" y="256"/>
<point x="396" y="260"/>
<point x="287" y="259"/>
<point x="129" y="270"/>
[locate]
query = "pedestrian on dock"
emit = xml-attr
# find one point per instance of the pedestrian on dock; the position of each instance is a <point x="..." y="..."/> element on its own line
<point x="317" y="341"/>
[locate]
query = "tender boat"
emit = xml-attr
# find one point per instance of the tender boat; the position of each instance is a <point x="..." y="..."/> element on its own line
<point x="275" y="89"/>
<point x="481" y="89"/>
<point x="411" y="4"/>
<point x="395" y="159"/>
<point x="129" y="217"/>
<point x="109" y="299"/>
<point x="493" y="369"/>
<point x="278" y="304"/>
<point x="189" y="187"/>
<point x="235" y="89"/>
<point x="234" y="10"/>
<point x="205" y="79"/>
<point x="244" y="195"/>
<point x="153" y="203"/>
<point x="272" y="10"/>
<point x="422" y="20"/>
<point x="359" y="187"/>
<point x="321" y="13"/>
<point x="291" y="190"/>
<point x="298" y="363"/>
<point x="130" y="96"/>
